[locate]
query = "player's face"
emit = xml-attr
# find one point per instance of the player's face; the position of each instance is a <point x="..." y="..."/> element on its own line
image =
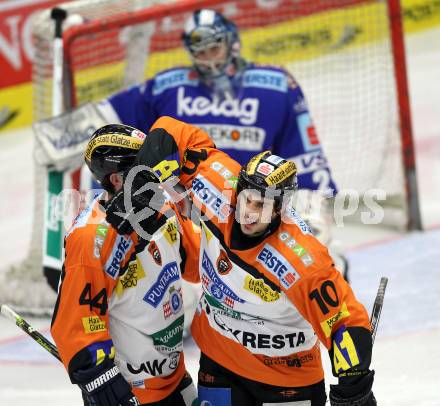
<point x="255" y="213"/>
<point x="212" y="58"/>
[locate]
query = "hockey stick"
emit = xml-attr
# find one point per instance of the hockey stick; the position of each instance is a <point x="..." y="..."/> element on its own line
<point x="28" y="329"/>
<point x="377" y="307"/>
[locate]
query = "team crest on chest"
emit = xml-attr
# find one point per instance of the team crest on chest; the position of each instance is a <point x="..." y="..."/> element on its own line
<point x="224" y="264"/>
<point x="155" y="253"/>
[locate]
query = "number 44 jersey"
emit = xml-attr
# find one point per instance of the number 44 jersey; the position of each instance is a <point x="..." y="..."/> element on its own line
<point x="121" y="298"/>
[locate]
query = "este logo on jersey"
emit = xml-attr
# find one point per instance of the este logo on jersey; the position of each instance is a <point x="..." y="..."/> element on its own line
<point x="278" y="266"/>
<point x="120" y="248"/>
<point x="217" y="202"/>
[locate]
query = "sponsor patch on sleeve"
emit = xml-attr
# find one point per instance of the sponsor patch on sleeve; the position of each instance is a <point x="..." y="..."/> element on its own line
<point x="100" y="350"/>
<point x="308" y="133"/>
<point x="93" y="324"/>
<point x="328" y="324"/>
<point x="213" y="199"/>
<point x="120" y="248"/>
<point x="345" y="355"/>
<point x="297" y="249"/>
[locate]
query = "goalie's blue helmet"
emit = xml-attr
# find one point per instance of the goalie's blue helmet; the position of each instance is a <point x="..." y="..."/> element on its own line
<point x="206" y="28"/>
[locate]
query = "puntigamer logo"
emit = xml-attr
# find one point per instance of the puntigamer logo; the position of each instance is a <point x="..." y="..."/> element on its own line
<point x="169" y="274"/>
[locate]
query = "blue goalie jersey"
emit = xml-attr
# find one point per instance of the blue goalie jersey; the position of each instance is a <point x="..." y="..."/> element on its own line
<point x="269" y="111"/>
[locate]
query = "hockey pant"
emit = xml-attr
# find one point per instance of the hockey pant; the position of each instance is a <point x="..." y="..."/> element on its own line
<point x="184" y="395"/>
<point x="218" y="386"/>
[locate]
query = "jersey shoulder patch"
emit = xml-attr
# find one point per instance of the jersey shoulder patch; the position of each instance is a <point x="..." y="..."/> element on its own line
<point x="266" y="77"/>
<point x="293" y="217"/>
<point x="171" y="78"/>
<point x="299" y="244"/>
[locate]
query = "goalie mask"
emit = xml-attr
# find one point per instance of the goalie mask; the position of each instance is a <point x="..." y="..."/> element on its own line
<point x="112" y="149"/>
<point x="272" y="176"/>
<point x="212" y="42"/>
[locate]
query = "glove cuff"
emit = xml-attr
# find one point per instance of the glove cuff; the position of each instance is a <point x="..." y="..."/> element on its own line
<point x="106" y="378"/>
<point x="353" y="391"/>
<point x="366" y="400"/>
<point x="94" y="379"/>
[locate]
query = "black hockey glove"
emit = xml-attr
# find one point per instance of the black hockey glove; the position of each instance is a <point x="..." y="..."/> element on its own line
<point x="353" y="391"/>
<point x="104" y="385"/>
<point x="136" y="207"/>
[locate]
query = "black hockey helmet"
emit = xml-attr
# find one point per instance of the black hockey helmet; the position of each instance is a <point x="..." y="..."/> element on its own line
<point x="274" y="177"/>
<point x="112" y="149"/>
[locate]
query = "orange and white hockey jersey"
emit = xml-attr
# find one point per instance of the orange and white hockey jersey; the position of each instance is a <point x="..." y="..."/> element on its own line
<point x="268" y="301"/>
<point x="122" y="298"/>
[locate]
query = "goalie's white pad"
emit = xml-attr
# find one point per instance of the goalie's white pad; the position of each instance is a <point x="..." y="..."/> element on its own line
<point x="60" y="141"/>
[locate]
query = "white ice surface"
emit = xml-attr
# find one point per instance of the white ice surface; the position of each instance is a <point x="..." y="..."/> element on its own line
<point x="406" y="354"/>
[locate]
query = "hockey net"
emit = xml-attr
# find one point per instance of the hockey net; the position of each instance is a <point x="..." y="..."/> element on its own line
<point x="347" y="56"/>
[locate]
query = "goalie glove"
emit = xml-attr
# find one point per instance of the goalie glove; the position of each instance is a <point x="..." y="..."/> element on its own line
<point x="103" y="385"/>
<point x="350" y="392"/>
<point x="137" y="206"/>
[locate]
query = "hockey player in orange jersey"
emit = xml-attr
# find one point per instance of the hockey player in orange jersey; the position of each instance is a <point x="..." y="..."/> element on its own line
<point x="118" y="320"/>
<point x="270" y="289"/>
